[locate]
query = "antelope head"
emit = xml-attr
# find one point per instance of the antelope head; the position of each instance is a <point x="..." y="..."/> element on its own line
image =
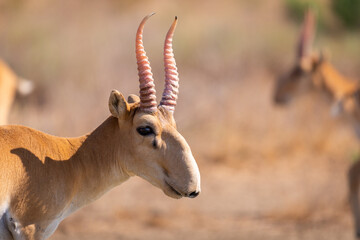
<point x="306" y="63"/>
<point x="156" y="151"/>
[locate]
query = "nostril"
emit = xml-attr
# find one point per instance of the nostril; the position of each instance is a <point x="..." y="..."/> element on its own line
<point x="194" y="194"/>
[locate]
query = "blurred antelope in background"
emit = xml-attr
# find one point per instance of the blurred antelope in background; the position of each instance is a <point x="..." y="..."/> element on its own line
<point x="10" y="83"/>
<point x="45" y="178"/>
<point x="322" y="74"/>
<point x="345" y="93"/>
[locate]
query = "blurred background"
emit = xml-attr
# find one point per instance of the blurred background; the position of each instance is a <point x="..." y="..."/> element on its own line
<point x="268" y="172"/>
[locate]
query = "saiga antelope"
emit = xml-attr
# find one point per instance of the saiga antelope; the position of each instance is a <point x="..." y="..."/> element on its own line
<point x="9" y="84"/>
<point x="323" y="75"/>
<point x="344" y="91"/>
<point x="45" y="178"/>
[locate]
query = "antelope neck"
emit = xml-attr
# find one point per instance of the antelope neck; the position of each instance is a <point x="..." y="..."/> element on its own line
<point x="334" y="82"/>
<point x="97" y="159"/>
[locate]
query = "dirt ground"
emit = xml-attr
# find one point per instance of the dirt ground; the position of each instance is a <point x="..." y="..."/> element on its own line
<point x="268" y="172"/>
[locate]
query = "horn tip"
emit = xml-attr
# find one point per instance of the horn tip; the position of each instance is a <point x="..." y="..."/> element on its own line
<point x="175" y="18"/>
<point x="147" y="16"/>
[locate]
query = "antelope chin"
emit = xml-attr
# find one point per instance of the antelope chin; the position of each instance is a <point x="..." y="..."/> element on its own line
<point x="171" y="191"/>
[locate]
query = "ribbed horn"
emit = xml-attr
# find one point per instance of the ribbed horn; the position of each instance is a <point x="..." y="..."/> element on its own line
<point x="307" y="35"/>
<point x="171" y="90"/>
<point x="147" y="86"/>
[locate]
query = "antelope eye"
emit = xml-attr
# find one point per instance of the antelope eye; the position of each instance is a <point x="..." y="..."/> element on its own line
<point x="145" y="131"/>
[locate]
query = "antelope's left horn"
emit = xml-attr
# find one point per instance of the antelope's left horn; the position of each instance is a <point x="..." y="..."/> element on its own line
<point x="147" y="86"/>
<point x="171" y="90"/>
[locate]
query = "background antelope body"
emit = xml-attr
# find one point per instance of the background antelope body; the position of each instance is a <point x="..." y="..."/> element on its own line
<point x="10" y="83"/>
<point x="343" y="91"/>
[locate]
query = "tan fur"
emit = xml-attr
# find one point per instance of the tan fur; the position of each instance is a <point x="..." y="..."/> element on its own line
<point x="8" y="86"/>
<point x="45" y="178"/>
<point x="338" y="85"/>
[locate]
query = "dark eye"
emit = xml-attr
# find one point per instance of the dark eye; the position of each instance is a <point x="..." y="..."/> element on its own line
<point x="145" y="131"/>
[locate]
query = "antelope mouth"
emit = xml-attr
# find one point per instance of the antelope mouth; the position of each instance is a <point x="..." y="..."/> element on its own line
<point x="172" y="191"/>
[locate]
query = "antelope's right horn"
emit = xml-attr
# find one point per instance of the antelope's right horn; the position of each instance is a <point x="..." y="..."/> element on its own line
<point x="307" y="35"/>
<point x="171" y="90"/>
<point x="147" y="86"/>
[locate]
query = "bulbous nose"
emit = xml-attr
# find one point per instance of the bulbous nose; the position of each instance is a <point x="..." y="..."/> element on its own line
<point x="194" y="194"/>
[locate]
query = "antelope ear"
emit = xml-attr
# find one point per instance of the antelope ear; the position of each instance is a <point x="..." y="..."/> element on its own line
<point x="118" y="105"/>
<point x="306" y="63"/>
<point x="133" y="98"/>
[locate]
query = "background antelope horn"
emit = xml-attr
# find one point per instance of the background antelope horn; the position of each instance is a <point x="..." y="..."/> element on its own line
<point x="171" y="90"/>
<point x="307" y="35"/>
<point x="147" y="86"/>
